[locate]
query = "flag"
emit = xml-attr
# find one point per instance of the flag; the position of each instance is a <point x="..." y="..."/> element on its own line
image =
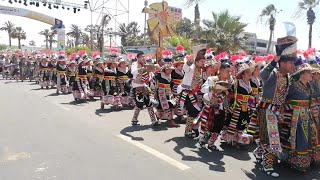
<point x="291" y="28"/>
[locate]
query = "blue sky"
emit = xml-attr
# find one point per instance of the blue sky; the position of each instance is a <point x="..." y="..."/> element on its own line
<point x="249" y="10"/>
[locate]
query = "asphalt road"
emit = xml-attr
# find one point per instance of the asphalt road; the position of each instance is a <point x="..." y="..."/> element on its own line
<point x="44" y="136"/>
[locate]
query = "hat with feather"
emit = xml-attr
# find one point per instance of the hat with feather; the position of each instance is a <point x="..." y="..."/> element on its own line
<point x="286" y="48"/>
<point x="167" y="59"/>
<point x="180" y="56"/>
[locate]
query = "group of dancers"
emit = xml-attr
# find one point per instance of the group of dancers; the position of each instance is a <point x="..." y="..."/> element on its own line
<point x="272" y="100"/>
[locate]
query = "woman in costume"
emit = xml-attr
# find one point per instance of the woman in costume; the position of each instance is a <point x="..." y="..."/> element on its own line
<point x="298" y="135"/>
<point x="52" y="70"/>
<point x="109" y="85"/>
<point x="240" y="104"/>
<point x="212" y="116"/>
<point x="80" y="88"/>
<point x="44" y="73"/>
<point x="177" y="76"/>
<point x="71" y="75"/>
<point x="163" y="94"/>
<point x="61" y="70"/>
<point x="123" y="82"/>
<point x="98" y="76"/>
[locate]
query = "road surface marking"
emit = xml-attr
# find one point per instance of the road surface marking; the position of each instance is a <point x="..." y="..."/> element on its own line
<point x="154" y="152"/>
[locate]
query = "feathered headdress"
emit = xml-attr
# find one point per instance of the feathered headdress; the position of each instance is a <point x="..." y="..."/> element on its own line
<point x="209" y="54"/>
<point x="82" y="53"/>
<point x="180" y="50"/>
<point x="166" y="56"/>
<point x="61" y="55"/>
<point x="95" y="55"/>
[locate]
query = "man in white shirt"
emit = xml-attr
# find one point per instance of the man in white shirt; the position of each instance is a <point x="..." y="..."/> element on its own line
<point x="141" y="78"/>
<point x="190" y="87"/>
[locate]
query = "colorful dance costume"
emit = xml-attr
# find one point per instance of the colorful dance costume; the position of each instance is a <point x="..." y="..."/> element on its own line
<point x="189" y="89"/>
<point x="212" y="116"/>
<point x="141" y="92"/>
<point x="62" y="82"/>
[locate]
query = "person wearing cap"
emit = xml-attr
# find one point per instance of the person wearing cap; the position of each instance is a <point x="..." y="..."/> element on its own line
<point x="299" y="135"/>
<point x="23" y="67"/>
<point x="71" y="75"/>
<point x="275" y="83"/>
<point x="52" y="70"/>
<point x="44" y="72"/>
<point x="141" y="92"/>
<point x="212" y="115"/>
<point x="61" y="70"/>
<point x="123" y="82"/>
<point x="80" y="88"/>
<point x="190" y="88"/>
<point x="163" y="94"/>
<point x="109" y="85"/>
<point x="240" y="102"/>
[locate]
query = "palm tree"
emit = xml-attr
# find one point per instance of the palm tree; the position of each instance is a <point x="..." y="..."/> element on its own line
<point x="85" y="39"/>
<point x="46" y="34"/>
<point x="75" y="33"/>
<point x="190" y="3"/>
<point x="269" y="13"/>
<point x="130" y="33"/>
<point x="8" y="26"/>
<point x="223" y="32"/>
<point x="308" y="6"/>
<point x="18" y="33"/>
<point x="51" y="39"/>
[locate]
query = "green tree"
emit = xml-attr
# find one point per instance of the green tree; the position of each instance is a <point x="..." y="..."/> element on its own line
<point x="223" y="32"/>
<point x="51" y="39"/>
<point x="85" y="39"/>
<point x="190" y="3"/>
<point x="269" y="13"/>
<point x="184" y="27"/>
<point x="8" y="26"/>
<point x="179" y="40"/>
<point x="307" y="6"/>
<point x="130" y="34"/>
<point x="75" y="33"/>
<point x="46" y="34"/>
<point x="92" y="30"/>
<point x="18" y="33"/>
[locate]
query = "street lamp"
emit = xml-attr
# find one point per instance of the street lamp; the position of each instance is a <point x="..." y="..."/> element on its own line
<point x="145" y="23"/>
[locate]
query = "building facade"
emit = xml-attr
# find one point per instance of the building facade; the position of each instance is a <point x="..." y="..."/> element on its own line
<point x="256" y="45"/>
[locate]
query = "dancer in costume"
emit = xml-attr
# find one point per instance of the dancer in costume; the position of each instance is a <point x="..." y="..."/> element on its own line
<point x="275" y="84"/>
<point x="177" y="76"/>
<point x="71" y="75"/>
<point x="52" y="70"/>
<point x="98" y="76"/>
<point x="163" y="94"/>
<point x="44" y="72"/>
<point x="299" y="134"/>
<point x="212" y="115"/>
<point x="61" y="70"/>
<point x="80" y="88"/>
<point x="123" y="82"/>
<point x="190" y="88"/>
<point x="109" y="85"/>
<point x="23" y="67"/>
<point x="240" y="104"/>
<point x="141" y="92"/>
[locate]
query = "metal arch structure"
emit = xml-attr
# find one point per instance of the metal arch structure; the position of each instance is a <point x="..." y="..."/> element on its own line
<point x="56" y="23"/>
<point x="112" y="8"/>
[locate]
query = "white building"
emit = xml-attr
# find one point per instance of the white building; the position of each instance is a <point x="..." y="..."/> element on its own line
<point x="254" y="44"/>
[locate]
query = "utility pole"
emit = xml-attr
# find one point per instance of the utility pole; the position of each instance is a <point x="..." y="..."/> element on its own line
<point x="145" y="24"/>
